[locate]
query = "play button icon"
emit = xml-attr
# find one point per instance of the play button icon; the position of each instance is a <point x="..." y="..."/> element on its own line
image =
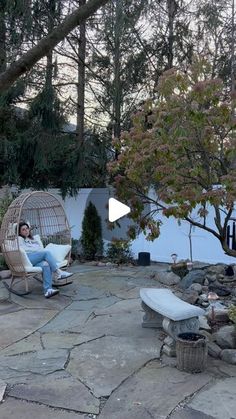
<point x="116" y="210"/>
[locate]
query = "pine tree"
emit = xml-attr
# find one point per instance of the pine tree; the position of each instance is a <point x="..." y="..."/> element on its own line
<point x="215" y="36"/>
<point x="15" y="32"/>
<point x="46" y="43"/>
<point x="51" y="157"/>
<point x="171" y="39"/>
<point x="117" y="63"/>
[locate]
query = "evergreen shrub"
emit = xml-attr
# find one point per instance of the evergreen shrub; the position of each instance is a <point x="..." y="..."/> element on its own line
<point x="118" y="251"/>
<point x="91" y="239"/>
<point x="3" y="264"/>
<point x="4" y="204"/>
<point x="74" y="249"/>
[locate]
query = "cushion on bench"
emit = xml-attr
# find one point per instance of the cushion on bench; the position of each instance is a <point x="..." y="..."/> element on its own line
<point x="163" y="301"/>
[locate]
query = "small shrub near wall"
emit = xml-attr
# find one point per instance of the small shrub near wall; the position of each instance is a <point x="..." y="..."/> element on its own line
<point x="91" y="239"/>
<point x="74" y="249"/>
<point x="118" y="251"/>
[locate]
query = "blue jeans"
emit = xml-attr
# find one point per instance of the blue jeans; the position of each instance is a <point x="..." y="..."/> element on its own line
<point x="47" y="262"/>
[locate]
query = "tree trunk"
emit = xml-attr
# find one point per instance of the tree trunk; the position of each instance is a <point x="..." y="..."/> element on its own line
<point x="233" y="49"/>
<point x="31" y="57"/>
<point x="171" y="7"/>
<point x="233" y="86"/>
<point x="117" y="69"/>
<point x="220" y="235"/>
<point x="47" y="115"/>
<point x="48" y="87"/>
<point x="81" y="79"/>
<point x="2" y="37"/>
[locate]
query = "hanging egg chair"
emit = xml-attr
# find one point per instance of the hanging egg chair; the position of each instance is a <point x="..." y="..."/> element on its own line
<point x="46" y="217"/>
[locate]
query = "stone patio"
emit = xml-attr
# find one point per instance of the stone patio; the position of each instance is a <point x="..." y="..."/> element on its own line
<point x="83" y="354"/>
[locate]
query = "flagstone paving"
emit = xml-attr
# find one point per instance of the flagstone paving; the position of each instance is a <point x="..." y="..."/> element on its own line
<point x="105" y="363"/>
<point x="84" y="355"/>
<point x="58" y="391"/>
<point x="153" y="392"/>
<point x="17" y="325"/>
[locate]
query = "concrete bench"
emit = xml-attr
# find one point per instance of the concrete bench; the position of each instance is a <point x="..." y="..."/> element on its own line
<point x="163" y="309"/>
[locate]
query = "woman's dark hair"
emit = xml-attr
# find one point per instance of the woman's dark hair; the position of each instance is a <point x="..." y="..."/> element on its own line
<point x="21" y="224"/>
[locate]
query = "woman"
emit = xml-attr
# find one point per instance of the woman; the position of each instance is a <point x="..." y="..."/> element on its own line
<point x="38" y="256"/>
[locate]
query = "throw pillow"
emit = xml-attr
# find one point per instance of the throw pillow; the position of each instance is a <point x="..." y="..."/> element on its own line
<point x="59" y="251"/>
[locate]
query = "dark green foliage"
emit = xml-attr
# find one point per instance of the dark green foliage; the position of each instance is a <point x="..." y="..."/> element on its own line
<point x="4" y="204"/>
<point x="16" y="26"/>
<point x="47" y="109"/>
<point x="33" y="157"/>
<point x="3" y="264"/>
<point x="91" y="239"/>
<point x="74" y="249"/>
<point x="118" y="251"/>
<point x="12" y="128"/>
<point x="35" y="149"/>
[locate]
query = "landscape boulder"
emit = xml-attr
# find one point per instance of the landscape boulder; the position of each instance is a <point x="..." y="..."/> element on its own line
<point x="167" y="278"/>
<point x="225" y="337"/>
<point x="197" y="276"/>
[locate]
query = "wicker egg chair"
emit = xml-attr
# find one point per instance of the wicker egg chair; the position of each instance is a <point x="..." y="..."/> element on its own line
<point x="47" y="218"/>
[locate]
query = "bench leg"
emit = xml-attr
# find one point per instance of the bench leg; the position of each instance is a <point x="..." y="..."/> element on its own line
<point x="169" y="347"/>
<point x="174" y="328"/>
<point x="151" y="318"/>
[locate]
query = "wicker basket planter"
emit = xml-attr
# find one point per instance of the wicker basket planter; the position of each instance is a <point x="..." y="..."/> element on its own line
<point x="191" y="352"/>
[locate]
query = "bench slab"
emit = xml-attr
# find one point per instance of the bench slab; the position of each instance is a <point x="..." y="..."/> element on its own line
<point x="164" y="302"/>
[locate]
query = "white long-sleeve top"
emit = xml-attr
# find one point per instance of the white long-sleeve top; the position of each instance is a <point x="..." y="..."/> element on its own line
<point x="30" y="245"/>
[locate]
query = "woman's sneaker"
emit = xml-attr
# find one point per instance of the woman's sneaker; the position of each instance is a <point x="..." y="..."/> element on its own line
<point x="63" y="275"/>
<point x="50" y="293"/>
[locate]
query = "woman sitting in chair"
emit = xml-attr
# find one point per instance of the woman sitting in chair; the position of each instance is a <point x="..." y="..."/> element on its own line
<point x="38" y="256"/>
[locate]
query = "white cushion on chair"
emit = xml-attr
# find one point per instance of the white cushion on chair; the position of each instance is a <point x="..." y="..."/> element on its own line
<point x="10" y="245"/>
<point x="25" y="260"/>
<point x="20" y="259"/>
<point x="34" y="269"/>
<point x="38" y="238"/>
<point x="59" y="251"/>
<point x="12" y="228"/>
<point x="27" y="264"/>
<point x="37" y="269"/>
<point x="62" y="264"/>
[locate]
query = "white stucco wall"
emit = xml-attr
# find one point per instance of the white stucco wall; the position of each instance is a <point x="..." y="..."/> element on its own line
<point x="75" y="206"/>
<point x="173" y="238"/>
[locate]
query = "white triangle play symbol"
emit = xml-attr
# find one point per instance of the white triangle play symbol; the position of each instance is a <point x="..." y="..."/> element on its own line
<point x="116" y="210"/>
